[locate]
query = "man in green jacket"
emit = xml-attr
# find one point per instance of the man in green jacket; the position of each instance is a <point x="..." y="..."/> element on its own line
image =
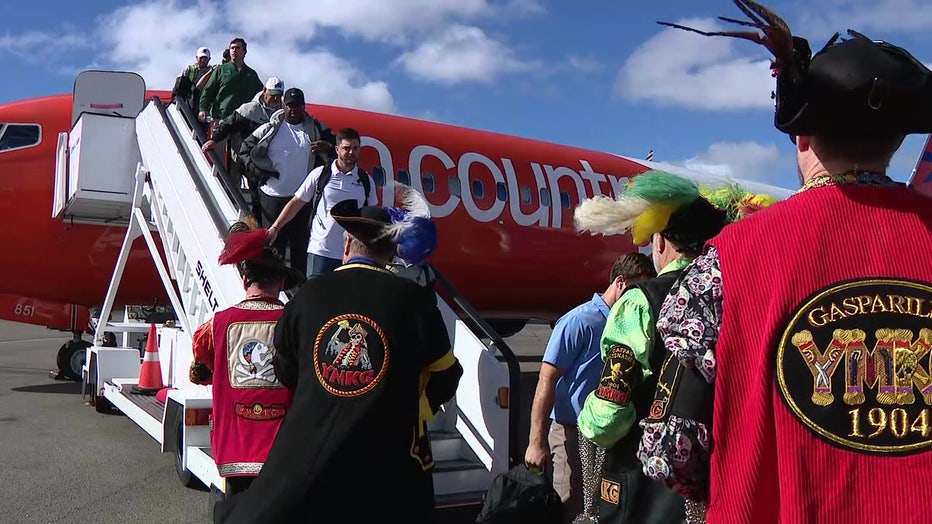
<point x="230" y="85"/>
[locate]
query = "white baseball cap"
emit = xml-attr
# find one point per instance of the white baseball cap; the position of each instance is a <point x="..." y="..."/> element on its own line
<point x="202" y="51"/>
<point x="275" y="85"/>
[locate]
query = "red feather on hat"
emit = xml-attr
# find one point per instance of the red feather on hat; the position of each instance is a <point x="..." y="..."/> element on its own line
<point x="242" y="246"/>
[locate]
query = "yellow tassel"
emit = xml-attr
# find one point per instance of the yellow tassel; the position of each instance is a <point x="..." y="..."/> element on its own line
<point x="425" y="414"/>
<point x="653" y="220"/>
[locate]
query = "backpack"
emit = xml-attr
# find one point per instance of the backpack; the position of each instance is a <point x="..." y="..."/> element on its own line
<point x="186" y="87"/>
<point x="325" y="177"/>
<point x="184" y="84"/>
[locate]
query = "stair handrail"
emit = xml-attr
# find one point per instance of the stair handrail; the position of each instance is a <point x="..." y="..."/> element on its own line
<point x="514" y="368"/>
<point x="200" y="136"/>
<point x="216" y="215"/>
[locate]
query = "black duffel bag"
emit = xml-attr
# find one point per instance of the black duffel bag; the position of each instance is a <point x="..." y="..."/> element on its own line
<point x="520" y="495"/>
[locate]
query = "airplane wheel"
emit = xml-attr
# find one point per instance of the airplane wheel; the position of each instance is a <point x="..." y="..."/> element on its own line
<point x="71" y="357"/>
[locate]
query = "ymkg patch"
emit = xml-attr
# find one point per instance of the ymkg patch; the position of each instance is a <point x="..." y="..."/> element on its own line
<point x="621" y="373"/>
<point x="853" y="365"/>
<point x="351" y="355"/>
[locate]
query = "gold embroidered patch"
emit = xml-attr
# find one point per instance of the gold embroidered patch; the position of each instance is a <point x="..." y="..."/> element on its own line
<point x="621" y="373"/>
<point x="853" y="365"/>
<point x="351" y="355"/>
<point x="610" y="491"/>
<point x="667" y="380"/>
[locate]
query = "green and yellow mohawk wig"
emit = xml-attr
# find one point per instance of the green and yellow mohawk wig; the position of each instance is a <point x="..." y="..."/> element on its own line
<point x="651" y="198"/>
<point x="644" y="208"/>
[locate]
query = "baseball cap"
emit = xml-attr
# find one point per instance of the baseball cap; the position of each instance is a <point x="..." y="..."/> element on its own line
<point x="275" y="85"/>
<point x="293" y="95"/>
<point x="202" y="51"/>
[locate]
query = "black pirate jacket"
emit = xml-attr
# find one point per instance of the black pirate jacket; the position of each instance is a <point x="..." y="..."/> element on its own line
<point x="357" y="345"/>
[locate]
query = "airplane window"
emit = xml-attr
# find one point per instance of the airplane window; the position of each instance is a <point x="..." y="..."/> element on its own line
<point x="427" y="182"/>
<point x="19" y="136"/>
<point x="501" y="192"/>
<point x="454" y="185"/>
<point x="544" y="197"/>
<point x="404" y="177"/>
<point x="378" y="175"/>
<point x="525" y="195"/>
<point x="564" y="199"/>
<point x="478" y="188"/>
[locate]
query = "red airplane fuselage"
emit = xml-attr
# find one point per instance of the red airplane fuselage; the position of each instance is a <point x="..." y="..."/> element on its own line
<point x="503" y="205"/>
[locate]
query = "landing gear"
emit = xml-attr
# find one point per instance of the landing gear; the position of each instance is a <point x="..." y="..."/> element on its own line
<point x="70" y="359"/>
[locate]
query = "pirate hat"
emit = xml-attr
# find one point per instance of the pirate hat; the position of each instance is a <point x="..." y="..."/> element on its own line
<point x="366" y="223"/>
<point x="246" y="247"/>
<point x="408" y="226"/>
<point x="855" y="88"/>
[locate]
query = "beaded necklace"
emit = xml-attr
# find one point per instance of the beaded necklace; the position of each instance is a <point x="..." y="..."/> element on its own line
<point x="863" y="178"/>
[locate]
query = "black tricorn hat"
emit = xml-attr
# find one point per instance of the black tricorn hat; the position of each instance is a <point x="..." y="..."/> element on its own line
<point x="692" y="225"/>
<point x="366" y="223"/>
<point x="855" y="88"/>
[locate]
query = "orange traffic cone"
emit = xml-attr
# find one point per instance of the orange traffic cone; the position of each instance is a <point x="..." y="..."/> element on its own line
<point x="150" y="375"/>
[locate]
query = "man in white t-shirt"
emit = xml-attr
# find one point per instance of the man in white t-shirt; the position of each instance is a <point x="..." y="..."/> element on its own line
<point x="279" y="155"/>
<point x="346" y="181"/>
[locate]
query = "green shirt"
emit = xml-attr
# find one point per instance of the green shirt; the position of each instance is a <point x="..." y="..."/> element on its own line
<point x="630" y="323"/>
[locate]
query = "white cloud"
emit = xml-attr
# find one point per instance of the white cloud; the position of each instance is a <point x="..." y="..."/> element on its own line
<point x="461" y="54"/>
<point x="677" y="68"/>
<point x="324" y="77"/>
<point x="45" y="45"/>
<point x="585" y="64"/>
<point x="307" y="44"/>
<point x="375" y="20"/>
<point x="740" y="160"/>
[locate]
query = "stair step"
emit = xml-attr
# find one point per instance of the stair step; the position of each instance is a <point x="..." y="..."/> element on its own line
<point x="444" y="435"/>
<point x="459" y="476"/>
<point x="452" y="500"/>
<point x="457" y="464"/>
<point x="446" y="445"/>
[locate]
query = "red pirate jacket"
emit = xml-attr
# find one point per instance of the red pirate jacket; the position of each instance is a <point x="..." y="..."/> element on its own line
<point x="822" y="393"/>
<point x="249" y="401"/>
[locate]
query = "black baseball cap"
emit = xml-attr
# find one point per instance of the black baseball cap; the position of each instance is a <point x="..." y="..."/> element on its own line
<point x="293" y="95"/>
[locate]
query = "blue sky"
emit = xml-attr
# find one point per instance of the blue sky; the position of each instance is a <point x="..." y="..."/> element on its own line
<point x="594" y="74"/>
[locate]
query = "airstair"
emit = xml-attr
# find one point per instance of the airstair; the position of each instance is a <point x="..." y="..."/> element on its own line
<point x="181" y="205"/>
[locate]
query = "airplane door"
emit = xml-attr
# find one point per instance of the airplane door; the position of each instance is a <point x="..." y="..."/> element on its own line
<point x="112" y="93"/>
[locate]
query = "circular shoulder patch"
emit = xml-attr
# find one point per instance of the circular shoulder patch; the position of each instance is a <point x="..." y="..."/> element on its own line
<point x="351" y="355"/>
<point x="853" y="365"/>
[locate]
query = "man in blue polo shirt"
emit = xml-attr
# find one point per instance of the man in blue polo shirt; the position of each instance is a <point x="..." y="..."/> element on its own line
<point x="569" y="371"/>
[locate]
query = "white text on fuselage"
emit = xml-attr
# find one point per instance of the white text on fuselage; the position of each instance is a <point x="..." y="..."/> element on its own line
<point x="586" y="182"/>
